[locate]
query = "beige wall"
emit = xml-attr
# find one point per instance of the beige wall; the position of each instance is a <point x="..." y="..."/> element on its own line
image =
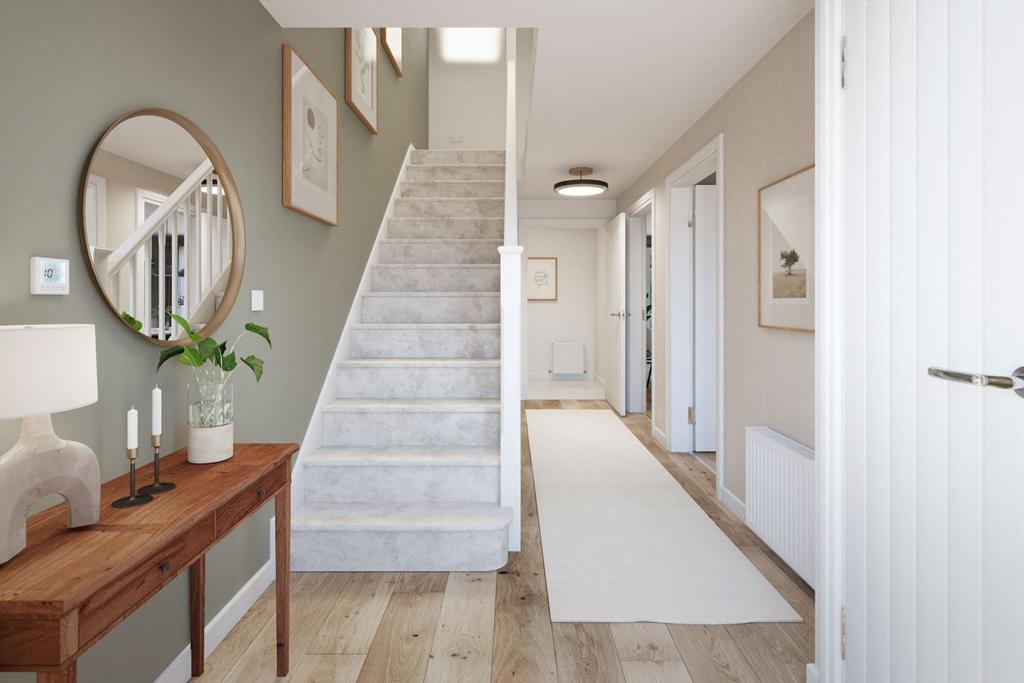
<point x="767" y="119"/>
<point x="123" y="177"/>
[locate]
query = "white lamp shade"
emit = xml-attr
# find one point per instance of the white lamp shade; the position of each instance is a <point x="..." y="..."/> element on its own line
<point x="46" y="369"/>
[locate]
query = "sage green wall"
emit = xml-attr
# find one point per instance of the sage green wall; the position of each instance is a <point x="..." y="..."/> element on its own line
<point x="69" y="68"/>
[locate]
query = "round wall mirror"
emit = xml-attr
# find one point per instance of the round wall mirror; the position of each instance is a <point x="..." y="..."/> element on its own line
<point x="161" y="226"/>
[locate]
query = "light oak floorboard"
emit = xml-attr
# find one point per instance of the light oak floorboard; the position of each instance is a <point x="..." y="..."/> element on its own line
<point x="401" y="648"/>
<point x="328" y="669"/>
<point x="586" y="654"/>
<point x="421" y="582"/>
<point x="223" y="659"/>
<point x="770" y="653"/>
<point x="463" y="639"/>
<point x="644" y="642"/>
<point x="351" y="625"/>
<point x="656" y="672"/>
<point x="711" y="654"/>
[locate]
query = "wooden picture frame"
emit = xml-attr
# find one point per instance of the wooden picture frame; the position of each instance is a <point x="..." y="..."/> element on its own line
<point x="545" y="289"/>
<point x="310" y="141"/>
<point x="362" y="91"/>
<point x="783" y="304"/>
<point x="391" y="41"/>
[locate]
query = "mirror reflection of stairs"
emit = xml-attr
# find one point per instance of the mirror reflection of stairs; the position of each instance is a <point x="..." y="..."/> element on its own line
<point x="408" y="478"/>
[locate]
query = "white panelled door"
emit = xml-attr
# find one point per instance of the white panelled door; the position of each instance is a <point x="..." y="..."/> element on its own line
<point x="615" y="320"/>
<point x="705" y="318"/>
<point x="933" y="242"/>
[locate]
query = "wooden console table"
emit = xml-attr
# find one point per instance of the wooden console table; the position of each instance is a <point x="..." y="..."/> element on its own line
<point x="69" y="587"/>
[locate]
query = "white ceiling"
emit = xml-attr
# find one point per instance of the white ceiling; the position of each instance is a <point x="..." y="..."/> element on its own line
<point x="156" y="142"/>
<point x="617" y="81"/>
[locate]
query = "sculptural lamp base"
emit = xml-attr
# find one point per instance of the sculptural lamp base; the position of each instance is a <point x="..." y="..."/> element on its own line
<point x="38" y="465"/>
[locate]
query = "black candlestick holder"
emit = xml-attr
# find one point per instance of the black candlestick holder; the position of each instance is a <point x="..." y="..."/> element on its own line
<point x="157" y="486"/>
<point x="134" y="498"/>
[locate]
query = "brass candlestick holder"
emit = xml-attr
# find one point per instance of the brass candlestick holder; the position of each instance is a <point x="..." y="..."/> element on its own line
<point x="134" y="498"/>
<point x="157" y="486"/>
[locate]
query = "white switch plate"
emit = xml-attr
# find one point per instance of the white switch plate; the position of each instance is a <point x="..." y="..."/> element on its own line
<point x="49" y="276"/>
<point x="457" y="139"/>
<point x="256" y="297"/>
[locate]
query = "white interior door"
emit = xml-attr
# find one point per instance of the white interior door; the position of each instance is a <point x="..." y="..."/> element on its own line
<point x="705" y="318"/>
<point x="932" y="238"/>
<point x="636" y="340"/>
<point x="615" y="316"/>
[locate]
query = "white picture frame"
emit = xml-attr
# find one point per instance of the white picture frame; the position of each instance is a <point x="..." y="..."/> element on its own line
<point x="541" y="278"/>
<point x="362" y="82"/>
<point x="309" y="130"/>
<point x="785" y="226"/>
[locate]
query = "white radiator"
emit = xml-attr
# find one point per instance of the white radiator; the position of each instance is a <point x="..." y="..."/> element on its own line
<point x="781" y="498"/>
<point x="567" y="358"/>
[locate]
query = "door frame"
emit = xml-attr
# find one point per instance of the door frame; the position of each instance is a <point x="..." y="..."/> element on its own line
<point x="642" y="207"/>
<point x="830" y="75"/>
<point x="710" y="159"/>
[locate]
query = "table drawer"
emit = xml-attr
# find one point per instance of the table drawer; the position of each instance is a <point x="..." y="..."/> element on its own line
<point x="123" y="595"/>
<point x="247" y="502"/>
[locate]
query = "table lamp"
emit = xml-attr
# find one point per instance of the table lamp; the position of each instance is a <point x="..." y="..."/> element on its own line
<point x="45" y="369"/>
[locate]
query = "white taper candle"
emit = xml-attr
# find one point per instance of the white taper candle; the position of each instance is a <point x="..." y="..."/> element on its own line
<point x="133" y="428"/>
<point x="157" y="411"/>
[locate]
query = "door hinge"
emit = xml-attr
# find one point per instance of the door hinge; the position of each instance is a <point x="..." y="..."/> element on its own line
<point x="691" y="416"/>
<point x="842" y="62"/>
<point x="842" y="632"/>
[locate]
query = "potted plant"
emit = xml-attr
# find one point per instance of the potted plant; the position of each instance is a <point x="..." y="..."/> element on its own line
<point x="211" y="433"/>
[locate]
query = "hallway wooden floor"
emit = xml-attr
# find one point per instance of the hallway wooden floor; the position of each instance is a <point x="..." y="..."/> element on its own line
<point x="439" y="627"/>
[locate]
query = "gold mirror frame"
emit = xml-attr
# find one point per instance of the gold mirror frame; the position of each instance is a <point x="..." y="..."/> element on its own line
<point x="226" y="180"/>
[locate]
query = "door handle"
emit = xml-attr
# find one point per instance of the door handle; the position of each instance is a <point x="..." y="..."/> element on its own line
<point x="1015" y="381"/>
<point x="615" y="315"/>
<point x="621" y="314"/>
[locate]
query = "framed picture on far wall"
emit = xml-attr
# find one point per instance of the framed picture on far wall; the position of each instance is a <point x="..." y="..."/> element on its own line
<point x="391" y="39"/>
<point x="309" y="126"/>
<point x="785" y="221"/>
<point x="361" y="83"/>
<point x="541" y="278"/>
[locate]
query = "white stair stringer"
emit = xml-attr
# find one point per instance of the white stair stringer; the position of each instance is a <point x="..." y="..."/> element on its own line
<point x="407" y="473"/>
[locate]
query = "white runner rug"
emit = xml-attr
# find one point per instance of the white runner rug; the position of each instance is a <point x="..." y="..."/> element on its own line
<point x="623" y="541"/>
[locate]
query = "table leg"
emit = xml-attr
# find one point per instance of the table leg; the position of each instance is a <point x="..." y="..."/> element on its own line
<point x="69" y="674"/>
<point x="197" y="613"/>
<point x="282" y="565"/>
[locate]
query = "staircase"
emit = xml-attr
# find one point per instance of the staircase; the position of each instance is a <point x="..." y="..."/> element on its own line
<point x="408" y="476"/>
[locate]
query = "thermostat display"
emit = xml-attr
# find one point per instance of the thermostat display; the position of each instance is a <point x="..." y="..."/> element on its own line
<point x="49" y="275"/>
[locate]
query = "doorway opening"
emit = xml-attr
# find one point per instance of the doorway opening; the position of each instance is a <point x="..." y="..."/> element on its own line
<point x="639" y="305"/>
<point x="694" y="309"/>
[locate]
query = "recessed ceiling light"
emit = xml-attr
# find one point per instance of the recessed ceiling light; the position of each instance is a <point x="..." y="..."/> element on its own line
<point x="580" y="187"/>
<point x="471" y="45"/>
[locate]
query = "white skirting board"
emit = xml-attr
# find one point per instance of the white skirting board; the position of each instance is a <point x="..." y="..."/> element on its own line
<point x="735" y="505"/>
<point x="180" y="669"/>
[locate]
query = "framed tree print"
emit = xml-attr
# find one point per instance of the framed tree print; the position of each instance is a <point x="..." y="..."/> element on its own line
<point x="785" y="211"/>
<point x="541" y="278"/>
<point x="361" y="82"/>
<point x="391" y="39"/>
<point x="309" y="129"/>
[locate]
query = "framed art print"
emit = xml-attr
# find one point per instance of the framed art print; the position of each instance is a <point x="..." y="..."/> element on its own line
<point x="391" y="39"/>
<point x="541" y="278"/>
<point x="361" y="82"/>
<point x="309" y="123"/>
<point x="785" y="211"/>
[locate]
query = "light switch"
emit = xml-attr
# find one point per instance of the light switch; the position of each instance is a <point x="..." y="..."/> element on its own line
<point x="257" y="300"/>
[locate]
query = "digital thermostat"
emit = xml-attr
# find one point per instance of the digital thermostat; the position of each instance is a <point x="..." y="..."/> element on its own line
<point x="49" y="275"/>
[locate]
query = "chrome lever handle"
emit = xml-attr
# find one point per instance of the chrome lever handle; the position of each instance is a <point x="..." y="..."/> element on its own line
<point x="1015" y="381"/>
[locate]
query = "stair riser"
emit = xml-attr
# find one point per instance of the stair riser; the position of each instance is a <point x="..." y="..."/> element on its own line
<point x="451" y="156"/>
<point x="410" y="429"/>
<point x="418" y="172"/>
<point x="452" y="279"/>
<point x="491" y="229"/>
<point x="432" y="189"/>
<point x="399" y="382"/>
<point x="425" y="344"/>
<point x="449" y="208"/>
<point x="390" y="484"/>
<point x="434" y="309"/>
<point x="443" y="252"/>
<point x="399" y="551"/>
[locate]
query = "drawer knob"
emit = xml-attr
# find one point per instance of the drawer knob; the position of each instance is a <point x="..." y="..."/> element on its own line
<point x="165" y="567"/>
<point x="262" y="493"/>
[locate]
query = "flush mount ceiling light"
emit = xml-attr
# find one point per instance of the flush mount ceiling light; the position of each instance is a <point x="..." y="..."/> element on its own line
<point x="580" y="187"/>
<point x="471" y="45"/>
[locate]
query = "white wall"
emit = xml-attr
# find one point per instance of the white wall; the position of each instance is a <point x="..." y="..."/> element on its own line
<point x="565" y="229"/>
<point x="466" y="100"/>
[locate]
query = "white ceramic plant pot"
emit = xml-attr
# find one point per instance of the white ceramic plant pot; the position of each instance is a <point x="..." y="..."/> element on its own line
<point x="211" y="425"/>
<point x="211" y="444"/>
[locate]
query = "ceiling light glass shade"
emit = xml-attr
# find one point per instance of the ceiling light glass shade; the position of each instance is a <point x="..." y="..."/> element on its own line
<point x="581" y="188"/>
<point x="471" y="45"/>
